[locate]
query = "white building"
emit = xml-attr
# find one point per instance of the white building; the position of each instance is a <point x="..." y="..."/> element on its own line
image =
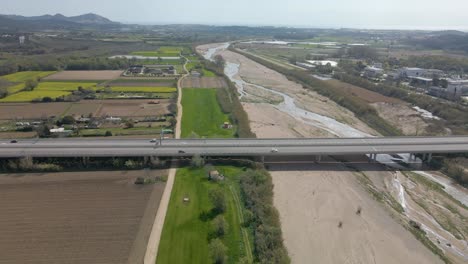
<point x="22" y="39"/>
<point x="456" y="88"/>
<point x="373" y="72"/>
<point x="409" y="72"/>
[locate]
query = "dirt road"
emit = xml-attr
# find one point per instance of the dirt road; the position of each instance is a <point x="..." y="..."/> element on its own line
<point x="155" y="237"/>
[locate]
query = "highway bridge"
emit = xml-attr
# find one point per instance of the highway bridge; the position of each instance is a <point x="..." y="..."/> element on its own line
<point x="82" y="147"/>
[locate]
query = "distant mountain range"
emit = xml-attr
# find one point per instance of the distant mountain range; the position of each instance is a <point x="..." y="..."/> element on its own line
<point x="58" y="21"/>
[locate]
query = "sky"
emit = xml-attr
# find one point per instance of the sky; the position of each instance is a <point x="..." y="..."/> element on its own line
<point x="369" y="14"/>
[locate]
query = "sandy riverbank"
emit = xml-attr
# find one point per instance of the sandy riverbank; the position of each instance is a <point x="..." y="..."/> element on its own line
<point x="313" y="200"/>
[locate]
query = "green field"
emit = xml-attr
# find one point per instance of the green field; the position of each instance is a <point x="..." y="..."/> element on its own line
<point x="185" y="235"/>
<point x="15" y="88"/>
<point x="143" y="89"/>
<point x="202" y="114"/>
<point x="63" y="86"/>
<point x="29" y="96"/>
<point x="154" y="54"/>
<point x="26" y="75"/>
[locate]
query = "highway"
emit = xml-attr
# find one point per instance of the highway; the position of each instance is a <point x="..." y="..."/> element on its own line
<point x="82" y="147"/>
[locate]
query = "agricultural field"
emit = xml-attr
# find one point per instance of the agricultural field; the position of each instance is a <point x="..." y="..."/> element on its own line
<point x="26" y="75"/>
<point x="196" y="65"/>
<point x="188" y="225"/>
<point x="76" y="217"/>
<point x="132" y="108"/>
<point x="64" y="86"/>
<point x="84" y="76"/>
<point x="199" y="102"/>
<point x="132" y="81"/>
<point x="15" y="88"/>
<point x="142" y="89"/>
<point x="151" y="132"/>
<point x="12" y="111"/>
<point x="161" y="52"/>
<point x="201" y="82"/>
<point x="33" y="95"/>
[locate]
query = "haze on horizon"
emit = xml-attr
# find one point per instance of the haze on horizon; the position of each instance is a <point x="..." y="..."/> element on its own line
<point x="368" y="14"/>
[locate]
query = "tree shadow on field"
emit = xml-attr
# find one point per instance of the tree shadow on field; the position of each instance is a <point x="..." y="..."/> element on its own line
<point x="207" y="216"/>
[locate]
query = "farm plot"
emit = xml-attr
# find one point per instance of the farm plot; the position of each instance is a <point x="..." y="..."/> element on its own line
<point x="142" y="89"/>
<point x="26" y="75"/>
<point x="77" y="217"/>
<point x="83" y="108"/>
<point x="33" y="95"/>
<point x="144" y="82"/>
<point x="201" y="82"/>
<point x="10" y="111"/>
<point x="63" y="86"/>
<point x="84" y="75"/>
<point x="203" y="103"/>
<point x="132" y="108"/>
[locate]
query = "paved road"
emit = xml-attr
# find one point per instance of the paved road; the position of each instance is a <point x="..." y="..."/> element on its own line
<point x="231" y="147"/>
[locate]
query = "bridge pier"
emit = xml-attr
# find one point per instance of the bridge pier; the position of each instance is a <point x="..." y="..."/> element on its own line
<point x="318" y="158"/>
<point x="427" y="157"/>
<point x="85" y="161"/>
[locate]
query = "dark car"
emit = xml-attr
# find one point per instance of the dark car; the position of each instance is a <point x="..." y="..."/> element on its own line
<point x="14" y="141"/>
<point x="181" y="151"/>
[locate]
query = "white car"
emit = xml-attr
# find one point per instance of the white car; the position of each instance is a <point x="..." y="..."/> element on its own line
<point x="274" y="150"/>
<point x="154" y="140"/>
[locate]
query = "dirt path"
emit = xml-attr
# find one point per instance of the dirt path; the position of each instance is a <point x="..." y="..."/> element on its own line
<point x="155" y="237"/>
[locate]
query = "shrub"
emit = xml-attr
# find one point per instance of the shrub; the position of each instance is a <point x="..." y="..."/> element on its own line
<point x="197" y="161"/>
<point x="219" y="200"/>
<point x="217" y="251"/>
<point x="220" y="226"/>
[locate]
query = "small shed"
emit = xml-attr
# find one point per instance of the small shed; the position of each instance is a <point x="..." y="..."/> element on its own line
<point x="214" y="175"/>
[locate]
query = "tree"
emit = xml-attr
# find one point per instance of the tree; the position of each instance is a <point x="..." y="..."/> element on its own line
<point x="129" y="124"/>
<point x="68" y="120"/>
<point x="218" y="199"/>
<point x="197" y="161"/>
<point x="219" y="61"/>
<point x="220" y="226"/>
<point x="43" y="131"/>
<point x="3" y="92"/>
<point x="217" y="251"/>
<point x="47" y="99"/>
<point x="30" y="84"/>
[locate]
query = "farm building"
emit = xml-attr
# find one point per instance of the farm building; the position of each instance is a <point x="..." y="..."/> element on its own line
<point x="373" y="72"/>
<point x="214" y="175"/>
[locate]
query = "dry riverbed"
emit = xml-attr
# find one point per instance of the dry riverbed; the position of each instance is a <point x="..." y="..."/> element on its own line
<point x="318" y="203"/>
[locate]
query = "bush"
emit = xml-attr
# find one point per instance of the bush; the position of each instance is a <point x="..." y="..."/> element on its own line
<point x="217" y="251"/>
<point x="197" y="162"/>
<point x="108" y="134"/>
<point x="219" y="200"/>
<point x="220" y="226"/>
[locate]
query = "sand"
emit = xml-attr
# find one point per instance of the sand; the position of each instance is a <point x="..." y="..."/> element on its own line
<point x="312" y="200"/>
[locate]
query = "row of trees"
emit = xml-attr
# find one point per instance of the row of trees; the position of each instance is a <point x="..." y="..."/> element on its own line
<point x="257" y="193"/>
<point x="52" y="63"/>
